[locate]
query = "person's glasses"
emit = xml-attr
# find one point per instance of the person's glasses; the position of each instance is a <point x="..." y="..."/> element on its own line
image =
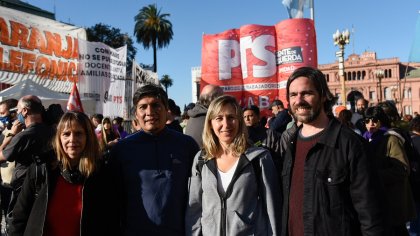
<point x="374" y="120"/>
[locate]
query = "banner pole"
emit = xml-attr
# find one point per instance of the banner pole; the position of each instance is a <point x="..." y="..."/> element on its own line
<point x="312" y="7"/>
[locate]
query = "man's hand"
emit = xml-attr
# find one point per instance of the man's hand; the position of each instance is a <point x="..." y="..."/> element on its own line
<point x="17" y="127"/>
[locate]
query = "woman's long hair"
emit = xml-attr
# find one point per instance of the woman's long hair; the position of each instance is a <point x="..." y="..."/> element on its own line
<point x="104" y="136"/>
<point x="91" y="154"/>
<point x="211" y="143"/>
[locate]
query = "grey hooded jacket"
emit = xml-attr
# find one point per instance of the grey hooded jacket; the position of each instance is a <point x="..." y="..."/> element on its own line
<point x="247" y="207"/>
<point x="195" y="124"/>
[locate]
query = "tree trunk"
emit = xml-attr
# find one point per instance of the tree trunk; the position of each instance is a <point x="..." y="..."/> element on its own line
<point x="154" y="57"/>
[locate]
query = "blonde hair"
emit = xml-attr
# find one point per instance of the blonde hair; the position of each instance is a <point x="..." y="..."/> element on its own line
<point x="211" y="143"/>
<point x="91" y="154"/>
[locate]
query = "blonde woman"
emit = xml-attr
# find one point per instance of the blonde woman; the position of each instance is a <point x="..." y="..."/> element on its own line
<point x="71" y="192"/>
<point x="234" y="188"/>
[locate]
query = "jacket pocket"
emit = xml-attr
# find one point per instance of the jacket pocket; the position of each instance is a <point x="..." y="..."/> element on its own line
<point x="240" y="224"/>
<point x="331" y="189"/>
<point x="332" y="183"/>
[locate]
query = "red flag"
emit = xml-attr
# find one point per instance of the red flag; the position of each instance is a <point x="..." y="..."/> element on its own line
<point x="74" y="103"/>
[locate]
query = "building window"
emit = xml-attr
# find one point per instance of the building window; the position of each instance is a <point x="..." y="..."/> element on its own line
<point x="388" y="73"/>
<point x="388" y="93"/>
<point x="372" y="95"/>
<point x="408" y="110"/>
<point x="359" y="75"/>
<point x="327" y="76"/>
<point x="407" y="93"/>
<point x="363" y="75"/>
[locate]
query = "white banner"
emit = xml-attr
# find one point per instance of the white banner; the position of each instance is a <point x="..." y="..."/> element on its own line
<point x="38" y="47"/>
<point x="102" y="76"/>
<point x="142" y="76"/>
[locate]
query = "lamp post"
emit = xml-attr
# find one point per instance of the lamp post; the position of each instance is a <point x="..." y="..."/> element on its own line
<point x="341" y="39"/>
<point x="379" y="75"/>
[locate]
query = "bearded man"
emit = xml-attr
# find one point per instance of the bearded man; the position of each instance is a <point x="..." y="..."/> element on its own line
<point x="329" y="187"/>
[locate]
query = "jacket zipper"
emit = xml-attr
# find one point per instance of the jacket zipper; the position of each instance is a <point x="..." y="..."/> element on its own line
<point x="81" y="212"/>
<point x="47" y="196"/>
<point x="223" y="216"/>
<point x="159" y="170"/>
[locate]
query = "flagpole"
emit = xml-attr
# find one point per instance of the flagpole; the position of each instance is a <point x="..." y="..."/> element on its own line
<point x="312" y="7"/>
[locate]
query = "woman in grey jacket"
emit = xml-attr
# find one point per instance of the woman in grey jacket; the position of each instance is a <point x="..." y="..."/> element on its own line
<point x="234" y="187"/>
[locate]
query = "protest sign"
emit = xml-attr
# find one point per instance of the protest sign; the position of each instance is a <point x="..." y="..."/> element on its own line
<point x="102" y="72"/>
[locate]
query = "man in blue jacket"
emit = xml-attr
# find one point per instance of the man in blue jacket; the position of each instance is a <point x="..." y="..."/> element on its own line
<point x="152" y="167"/>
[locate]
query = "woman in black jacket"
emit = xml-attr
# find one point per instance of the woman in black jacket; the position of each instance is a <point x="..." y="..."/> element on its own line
<point x="71" y="192"/>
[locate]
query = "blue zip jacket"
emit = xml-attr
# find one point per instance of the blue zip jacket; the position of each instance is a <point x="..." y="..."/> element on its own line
<point x="153" y="172"/>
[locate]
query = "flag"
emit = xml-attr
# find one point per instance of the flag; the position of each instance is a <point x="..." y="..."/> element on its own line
<point x="74" y="103"/>
<point x="415" y="47"/>
<point x="295" y="7"/>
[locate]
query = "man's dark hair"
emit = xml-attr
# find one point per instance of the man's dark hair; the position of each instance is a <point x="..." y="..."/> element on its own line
<point x="253" y="108"/>
<point x="390" y="110"/>
<point x="171" y="105"/>
<point x="150" y="90"/>
<point x="366" y="102"/>
<point x="415" y="124"/>
<point x="98" y="116"/>
<point x="378" y="113"/>
<point x="119" y="120"/>
<point x="10" y="103"/>
<point x="53" y="114"/>
<point x="320" y="83"/>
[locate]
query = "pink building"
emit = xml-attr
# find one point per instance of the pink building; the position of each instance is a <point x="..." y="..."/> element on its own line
<point x="400" y="82"/>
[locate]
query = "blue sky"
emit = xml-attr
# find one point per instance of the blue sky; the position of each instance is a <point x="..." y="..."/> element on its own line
<point x="386" y="27"/>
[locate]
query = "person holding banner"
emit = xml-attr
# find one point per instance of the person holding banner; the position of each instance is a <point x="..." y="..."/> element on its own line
<point x="328" y="182"/>
<point x="233" y="188"/>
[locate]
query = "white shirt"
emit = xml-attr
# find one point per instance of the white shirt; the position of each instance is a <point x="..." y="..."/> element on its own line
<point x="224" y="178"/>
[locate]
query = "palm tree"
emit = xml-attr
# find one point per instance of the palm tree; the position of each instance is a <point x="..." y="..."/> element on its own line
<point x="166" y="81"/>
<point x="153" y="29"/>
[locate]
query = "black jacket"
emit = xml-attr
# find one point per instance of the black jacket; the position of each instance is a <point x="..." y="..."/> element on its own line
<point x="99" y="212"/>
<point x="341" y="190"/>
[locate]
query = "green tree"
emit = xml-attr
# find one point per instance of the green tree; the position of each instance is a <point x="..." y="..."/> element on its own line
<point x="153" y="29"/>
<point x="166" y="81"/>
<point x="114" y="38"/>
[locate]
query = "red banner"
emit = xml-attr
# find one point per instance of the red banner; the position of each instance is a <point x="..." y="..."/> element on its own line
<point x="221" y="62"/>
<point x="253" y="63"/>
<point x="296" y="47"/>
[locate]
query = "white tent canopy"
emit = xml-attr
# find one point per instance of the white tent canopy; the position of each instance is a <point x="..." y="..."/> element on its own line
<point x="47" y="96"/>
<point x="29" y="87"/>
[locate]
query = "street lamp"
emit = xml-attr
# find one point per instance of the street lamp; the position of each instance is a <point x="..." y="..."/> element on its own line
<point x="379" y="75"/>
<point x="341" y="39"/>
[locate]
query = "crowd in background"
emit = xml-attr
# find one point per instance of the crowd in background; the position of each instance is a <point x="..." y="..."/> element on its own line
<point x="217" y="168"/>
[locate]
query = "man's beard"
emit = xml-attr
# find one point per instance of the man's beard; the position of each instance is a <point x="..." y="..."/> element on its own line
<point x="361" y="111"/>
<point x="312" y="116"/>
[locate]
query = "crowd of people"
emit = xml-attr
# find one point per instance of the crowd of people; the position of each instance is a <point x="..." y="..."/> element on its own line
<point x="218" y="168"/>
